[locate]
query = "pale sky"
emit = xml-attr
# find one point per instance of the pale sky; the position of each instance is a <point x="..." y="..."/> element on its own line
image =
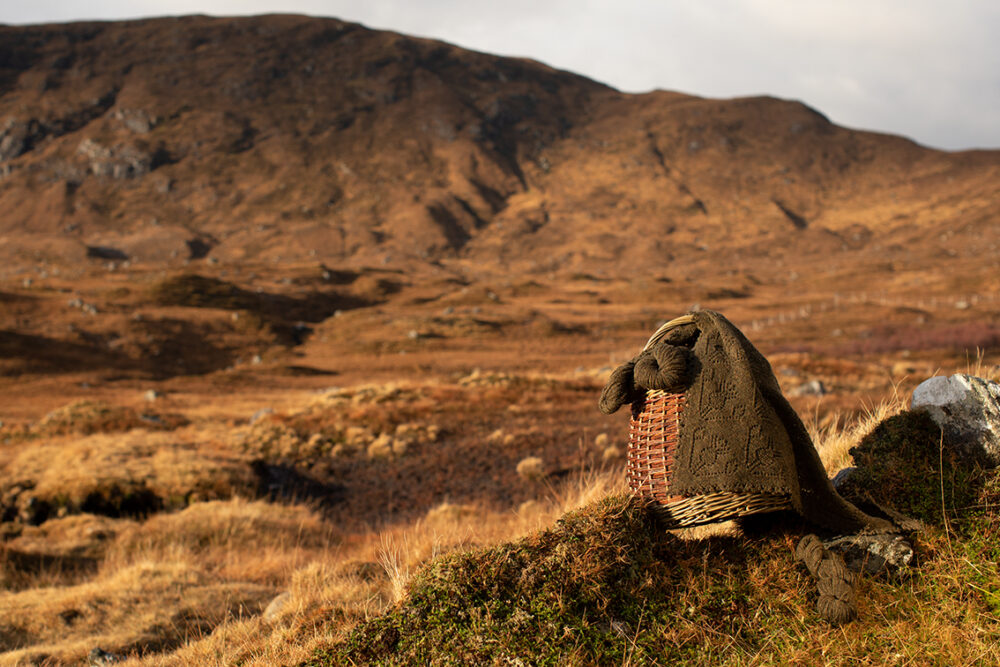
<point x="926" y="69"/>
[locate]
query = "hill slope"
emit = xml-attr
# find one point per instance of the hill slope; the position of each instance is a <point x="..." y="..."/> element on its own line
<point x="293" y="137"/>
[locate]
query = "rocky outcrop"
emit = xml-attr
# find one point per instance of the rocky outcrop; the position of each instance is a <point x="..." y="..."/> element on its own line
<point x="118" y="162"/>
<point x="967" y="409"/>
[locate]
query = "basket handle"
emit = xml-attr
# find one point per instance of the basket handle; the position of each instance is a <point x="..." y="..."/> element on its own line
<point x="662" y="331"/>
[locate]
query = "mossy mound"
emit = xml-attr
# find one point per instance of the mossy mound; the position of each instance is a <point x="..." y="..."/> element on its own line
<point x="904" y="464"/>
<point x="603" y="585"/>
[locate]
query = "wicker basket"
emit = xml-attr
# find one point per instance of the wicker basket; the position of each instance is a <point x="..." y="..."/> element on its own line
<point x="654" y="432"/>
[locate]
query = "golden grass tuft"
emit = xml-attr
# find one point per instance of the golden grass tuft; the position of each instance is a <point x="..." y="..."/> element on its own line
<point x="531" y="468"/>
<point x="834" y="441"/>
<point x="128" y="474"/>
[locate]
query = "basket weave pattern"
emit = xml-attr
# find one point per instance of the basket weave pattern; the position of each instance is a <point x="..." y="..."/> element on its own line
<point x="652" y="440"/>
<point x="654" y="432"/>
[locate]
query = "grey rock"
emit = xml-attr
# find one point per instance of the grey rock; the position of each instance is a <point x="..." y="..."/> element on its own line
<point x="873" y="554"/>
<point x="967" y="408"/>
<point x="275" y="607"/>
<point x="14" y="139"/>
<point x="260" y="414"/>
<point x="118" y="162"/>
<point x="99" y="656"/>
<point x="841" y="477"/>
<point x="136" y="120"/>
<point x="811" y="388"/>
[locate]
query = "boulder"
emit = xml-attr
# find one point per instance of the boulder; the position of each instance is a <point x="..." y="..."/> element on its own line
<point x="811" y="388"/>
<point x="99" y="656"/>
<point x="873" y="554"/>
<point x="967" y="408"/>
<point x="276" y="606"/>
<point x="14" y="139"/>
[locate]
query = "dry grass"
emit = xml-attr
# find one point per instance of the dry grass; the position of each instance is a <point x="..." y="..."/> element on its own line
<point x="196" y="580"/>
<point x="187" y="588"/>
<point x="130" y="474"/>
<point x="834" y="441"/>
<point x="146" y="606"/>
<point x="363" y="576"/>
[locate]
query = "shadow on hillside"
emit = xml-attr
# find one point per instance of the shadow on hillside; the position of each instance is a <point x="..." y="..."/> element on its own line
<point x="195" y="291"/>
<point x="279" y="481"/>
<point x="20" y="569"/>
<point x="168" y="347"/>
<point x="24" y="353"/>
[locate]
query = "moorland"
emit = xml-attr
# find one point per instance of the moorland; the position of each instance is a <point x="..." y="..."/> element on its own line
<point x="288" y="305"/>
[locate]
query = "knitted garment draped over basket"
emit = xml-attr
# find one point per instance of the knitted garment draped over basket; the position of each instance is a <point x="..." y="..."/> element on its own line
<point x="713" y="438"/>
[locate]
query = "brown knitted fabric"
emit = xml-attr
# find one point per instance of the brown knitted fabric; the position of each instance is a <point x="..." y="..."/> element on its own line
<point x="731" y="437"/>
<point x="669" y="365"/>
<point x="738" y="432"/>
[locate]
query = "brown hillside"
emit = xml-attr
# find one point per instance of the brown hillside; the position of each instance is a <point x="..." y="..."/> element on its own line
<point x="292" y="137"/>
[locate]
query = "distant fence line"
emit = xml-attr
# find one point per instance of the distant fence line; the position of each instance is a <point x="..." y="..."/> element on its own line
<point x="875" y="299"/>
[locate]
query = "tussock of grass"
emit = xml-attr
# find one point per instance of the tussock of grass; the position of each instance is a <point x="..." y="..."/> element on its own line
<point x="144" y="607"/>
<point x="125" y="475"/>
<point x="834" y="442"/>
<point x="221" y="534"/>
<point x="88" y="417"/>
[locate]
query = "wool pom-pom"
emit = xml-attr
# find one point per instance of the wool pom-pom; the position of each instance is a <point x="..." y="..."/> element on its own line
<point x="665" y="367"/>
<point x="619" y="390"/>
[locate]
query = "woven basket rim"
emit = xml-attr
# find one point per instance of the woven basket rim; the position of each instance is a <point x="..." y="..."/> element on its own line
<point x="667" y="327"/>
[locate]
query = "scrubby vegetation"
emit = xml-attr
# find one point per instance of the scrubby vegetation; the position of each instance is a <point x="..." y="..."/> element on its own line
<point x="579" y="575"/>
<point x="602" y="586"/>
<point x="605" y="585"/>
<point x="905" y="464"/>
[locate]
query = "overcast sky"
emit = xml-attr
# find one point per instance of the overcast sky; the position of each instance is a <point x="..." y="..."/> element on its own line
<point x="927" y="69"/>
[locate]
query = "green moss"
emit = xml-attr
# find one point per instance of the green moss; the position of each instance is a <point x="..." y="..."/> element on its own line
<point x="602" y="584"/>
<point x="905" y="464"/>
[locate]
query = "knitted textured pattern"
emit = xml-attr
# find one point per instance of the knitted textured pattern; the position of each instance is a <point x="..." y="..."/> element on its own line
<point x="731" y="436"/>
<point x="738" y="432"/>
